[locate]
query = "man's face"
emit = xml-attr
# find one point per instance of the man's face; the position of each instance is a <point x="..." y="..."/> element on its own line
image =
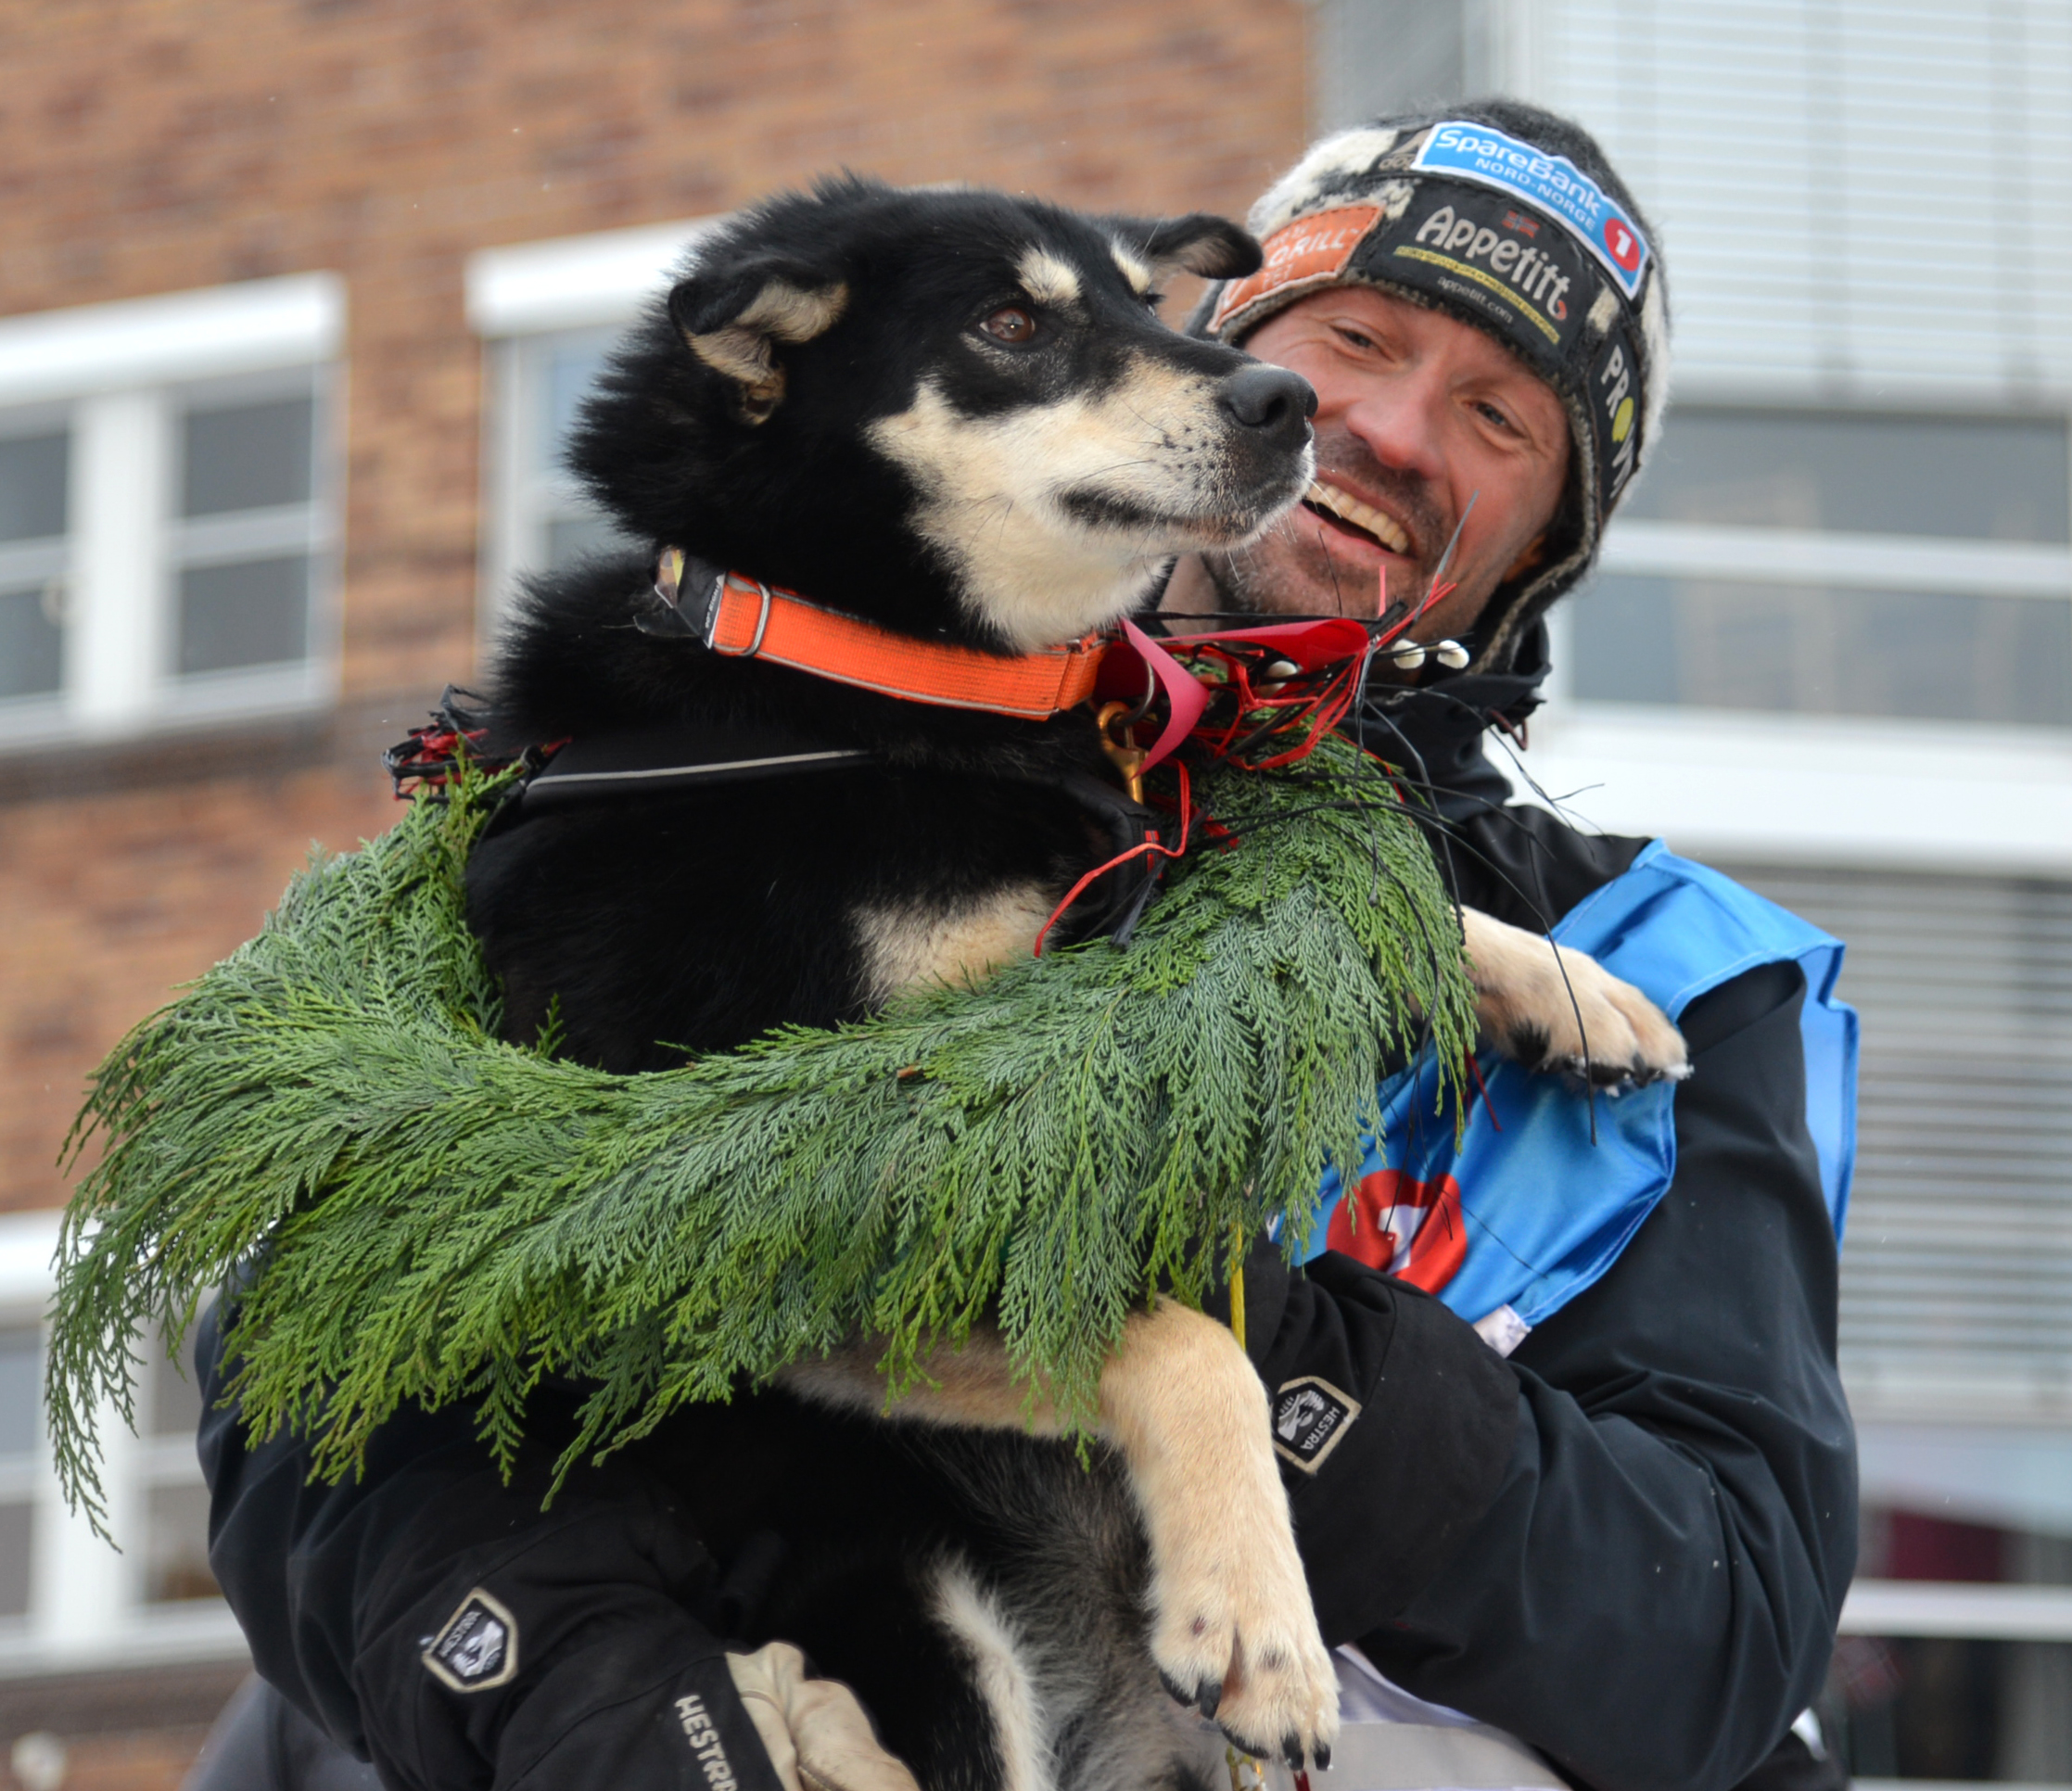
<point x="1416" y="413"/>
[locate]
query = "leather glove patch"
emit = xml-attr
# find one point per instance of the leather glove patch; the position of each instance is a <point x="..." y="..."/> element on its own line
<point x="477" y="1648"/>
<point x="1311" y="1416"/>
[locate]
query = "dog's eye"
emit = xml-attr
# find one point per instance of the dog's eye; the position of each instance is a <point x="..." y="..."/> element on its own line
<point x="1010" y="323"/>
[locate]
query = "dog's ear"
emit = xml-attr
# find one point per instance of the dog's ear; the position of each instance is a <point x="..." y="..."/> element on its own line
<point x="734" y="318"/>
<point x="1199" y="243"/>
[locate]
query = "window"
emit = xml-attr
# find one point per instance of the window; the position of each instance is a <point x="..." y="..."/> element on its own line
<point x="1956" y="1280"/>
<point x="1781" y="149"/>
<point x="67" y="1599"/>
<point x="168" y="509"/>
<point x="1830" y="640"/>
<point x="241" y="546"/>
<point x="174" y="1556"/>
<point x="547" y="522"/>
<point x="34" y="467"/>
<point x="1841" y="564"/>
<point x="21" y="1434"/>
<point x="548" y="313"/>
<point x="1957" y="1277"/>
<point x="1941" y="1690"/>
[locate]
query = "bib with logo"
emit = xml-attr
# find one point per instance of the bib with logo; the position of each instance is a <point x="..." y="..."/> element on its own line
<point x="1536" y="1196"/>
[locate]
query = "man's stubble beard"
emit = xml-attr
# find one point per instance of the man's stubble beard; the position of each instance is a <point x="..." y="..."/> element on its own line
<point x="1291" y="569"/>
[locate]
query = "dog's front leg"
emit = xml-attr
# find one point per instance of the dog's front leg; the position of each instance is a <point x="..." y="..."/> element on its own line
<point x="1232" y="1628"/>
<point x="1557" y="1010"/>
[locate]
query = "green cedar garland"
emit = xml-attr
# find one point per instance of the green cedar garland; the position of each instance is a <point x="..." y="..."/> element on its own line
<point x="440" y="1215"/>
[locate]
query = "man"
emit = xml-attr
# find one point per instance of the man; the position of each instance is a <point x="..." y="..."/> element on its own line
<point x="1627" y="1542"/>
<point x="1646" y="1582"/>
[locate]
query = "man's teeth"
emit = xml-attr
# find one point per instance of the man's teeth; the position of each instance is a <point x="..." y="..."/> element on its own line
<point x="1385" y="529"/>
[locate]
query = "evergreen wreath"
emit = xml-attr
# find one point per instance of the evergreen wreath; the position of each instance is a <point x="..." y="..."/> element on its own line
<point x="419" y="1210"/>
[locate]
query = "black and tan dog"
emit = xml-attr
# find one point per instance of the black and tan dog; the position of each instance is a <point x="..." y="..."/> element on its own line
<point x="956" y="416"/>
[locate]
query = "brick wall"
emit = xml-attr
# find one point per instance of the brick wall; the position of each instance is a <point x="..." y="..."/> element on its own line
<point x="151" y="147"/>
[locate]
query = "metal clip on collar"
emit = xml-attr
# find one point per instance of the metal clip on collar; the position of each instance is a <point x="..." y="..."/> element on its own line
<point x="712" y="615"/>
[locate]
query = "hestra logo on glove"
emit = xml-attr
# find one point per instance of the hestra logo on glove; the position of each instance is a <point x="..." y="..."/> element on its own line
<point x="1310" y="1416"/>
<point x="704" y="1737"/>
<point x="477" y="1648"/>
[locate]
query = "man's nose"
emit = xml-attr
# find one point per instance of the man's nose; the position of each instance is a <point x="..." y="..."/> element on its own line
<point x="1271" y="399"/>
<point x="1402" y="423"/>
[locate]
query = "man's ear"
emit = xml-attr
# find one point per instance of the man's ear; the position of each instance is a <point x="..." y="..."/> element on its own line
<point x="1199" y="243"/>
<point x="733" y="318"/>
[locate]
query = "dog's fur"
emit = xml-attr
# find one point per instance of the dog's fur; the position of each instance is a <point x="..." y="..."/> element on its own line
<point x="826" y="403"/>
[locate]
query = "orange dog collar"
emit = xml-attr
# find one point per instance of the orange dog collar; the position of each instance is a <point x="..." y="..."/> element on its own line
<point x="744" y="618"/>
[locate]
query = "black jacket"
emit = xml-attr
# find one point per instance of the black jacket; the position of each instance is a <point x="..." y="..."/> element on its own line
<point x="1649" y="1591"/>
<point x="1628" y="1545"/>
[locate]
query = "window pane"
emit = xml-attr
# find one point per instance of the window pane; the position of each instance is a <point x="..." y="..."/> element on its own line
<point x="1725" y="645"/>
<point x="570" y="539"/>
<point x="32" y="473"/>
<point x="255" y="613"/>
<point x="1948" y="1709"/>
<point x="1988" y="479"/>
<point x="1937" y="1708"/>
<point x="18" y="1528"/>
<point x="248" y="458"/>
<point x="32" y="644"/>
<point x="176" y="1545"/>
<point x="21" y="1390"/>
<point x="174" y="1403"/>
<point x="573" y="364"/>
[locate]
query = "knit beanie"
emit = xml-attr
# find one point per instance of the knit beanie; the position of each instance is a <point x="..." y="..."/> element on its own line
<point x="1512" y="220"/>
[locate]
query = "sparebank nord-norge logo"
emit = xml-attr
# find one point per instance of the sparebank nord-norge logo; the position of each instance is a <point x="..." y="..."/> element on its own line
<point x="1481" y="153"/>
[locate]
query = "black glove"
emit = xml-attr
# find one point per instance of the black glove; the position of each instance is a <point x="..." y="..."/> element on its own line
<point x="438" y="1621"/>
<point x="498" y="1645"/>
<point x="1394" y="1423"/>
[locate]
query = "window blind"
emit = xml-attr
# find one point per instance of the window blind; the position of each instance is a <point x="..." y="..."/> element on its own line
<point x="1957" y="1268"/>
<point x="1851" y="194"/>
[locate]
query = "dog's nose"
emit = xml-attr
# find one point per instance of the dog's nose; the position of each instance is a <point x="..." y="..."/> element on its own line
<point x="1268" y="398"/>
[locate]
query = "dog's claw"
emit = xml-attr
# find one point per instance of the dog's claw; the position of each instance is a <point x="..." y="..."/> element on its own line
<point x="1292" y="1751"/>
<point x="1174" y="1690"/>
<point x="1558" y="1011"/>
<point x="1283" y="1699"/>
<point x="1322" y="1755"/>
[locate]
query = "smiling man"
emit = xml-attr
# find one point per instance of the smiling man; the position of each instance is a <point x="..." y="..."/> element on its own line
<point x="1556" y="1390"/>
<point x="1423" y="426"/>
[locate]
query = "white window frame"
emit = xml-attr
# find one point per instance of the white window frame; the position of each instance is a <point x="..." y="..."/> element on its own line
<point x="1794" y="788"/>
<point x="516" y="294"/>
<point x="86" y="1608"/>
<point x="117" y="375"/>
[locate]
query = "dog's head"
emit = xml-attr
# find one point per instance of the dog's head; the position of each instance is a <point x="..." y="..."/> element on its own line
<point x="953" y="412"/>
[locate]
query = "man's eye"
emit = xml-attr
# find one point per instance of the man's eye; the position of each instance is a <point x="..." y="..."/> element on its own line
<point x="1492" y="415"/>
<point x="1358" y="339"/>
<point x="1011" y="324"/>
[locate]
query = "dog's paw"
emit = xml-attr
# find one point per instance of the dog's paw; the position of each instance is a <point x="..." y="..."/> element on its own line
<point x="1561" y="1010"/>
<point x="1234" y="1636"/>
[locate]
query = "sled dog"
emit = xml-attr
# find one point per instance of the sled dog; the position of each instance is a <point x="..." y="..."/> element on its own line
<point x="954" y="415"/>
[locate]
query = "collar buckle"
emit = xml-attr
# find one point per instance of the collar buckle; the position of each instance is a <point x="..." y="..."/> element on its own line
<point x="719" y="585"/>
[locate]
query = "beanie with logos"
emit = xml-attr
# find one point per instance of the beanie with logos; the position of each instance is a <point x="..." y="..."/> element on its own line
<point x="1512" y="220"/>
